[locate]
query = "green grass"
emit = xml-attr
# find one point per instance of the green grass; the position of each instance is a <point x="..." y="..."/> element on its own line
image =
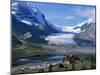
<point x="29" y="50"/>
<point x="81" y="65"/>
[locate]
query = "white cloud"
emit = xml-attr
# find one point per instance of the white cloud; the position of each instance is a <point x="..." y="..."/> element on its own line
<point x="69" y="17"/>
<point x="89" y="12"/>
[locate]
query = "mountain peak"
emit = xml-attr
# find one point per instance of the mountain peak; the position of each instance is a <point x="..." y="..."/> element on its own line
<point x="28" y="5"/>
<point x="26" y="12"/>
<point x="87" y="21"/>
<point x="90" y="21"/>
<point x="79" y="27"/>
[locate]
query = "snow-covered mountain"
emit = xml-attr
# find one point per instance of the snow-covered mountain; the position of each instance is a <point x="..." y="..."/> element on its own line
<point x="88" y="32"/>
<point x="29" y="20"/>
<point x="29" y="23"/>
<point x="81" y="27"/>
<point x="84" y="25"/>
<point x="82" y="34"/>
<point x="26" y="12"/>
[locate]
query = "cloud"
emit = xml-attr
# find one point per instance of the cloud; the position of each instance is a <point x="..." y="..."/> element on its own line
<point x="69" y="17"/>
<point x="89" y="12"/>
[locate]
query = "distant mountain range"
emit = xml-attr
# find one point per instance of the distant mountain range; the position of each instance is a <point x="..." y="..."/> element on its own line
<point x="87" y="33"/>
<point x="30" y="24"/>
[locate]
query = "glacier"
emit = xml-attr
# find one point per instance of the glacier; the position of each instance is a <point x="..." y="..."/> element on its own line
<point x="61" y="39"/>
<point x="29" y="19"/>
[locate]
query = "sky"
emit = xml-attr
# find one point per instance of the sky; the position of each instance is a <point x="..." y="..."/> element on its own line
<point x="66" y="14"/>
